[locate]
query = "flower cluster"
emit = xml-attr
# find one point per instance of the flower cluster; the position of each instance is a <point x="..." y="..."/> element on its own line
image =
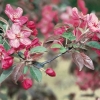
<point x="48" y="20"/>
<point x="19" y="41"/>
<point x="86" y="80"/>
<point x="5" y="58"/>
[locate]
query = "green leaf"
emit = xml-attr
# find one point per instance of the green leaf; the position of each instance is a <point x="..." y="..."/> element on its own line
<point x="62" y="49"/>
<point x="36" y="73"/>
<point x="1" y="40"/>
<point x="69" y="36"/>
<point x="5" y="74"/>
<point x="56" y="46"/>
<point x="3" y="96"/>
<point x="7" y="47"/>
<point x="76" y="45"/>
<point x="93" y="44"/>
<point x="25" y="69"/>
<point x="38" y="49"/>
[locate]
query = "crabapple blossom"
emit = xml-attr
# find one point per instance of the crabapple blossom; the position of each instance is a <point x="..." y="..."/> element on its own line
<point x="48" y="13"/>
<point x="5" y="58"/>
<point x="17" y="36"/>
<point x="93" y="22"/>
<point x="16" y="14"/>
<point x="81" y="5"/>
<point x="7" y="62"/>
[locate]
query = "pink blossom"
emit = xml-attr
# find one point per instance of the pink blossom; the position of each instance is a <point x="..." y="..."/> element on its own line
<point x="81" y="5"/>
<point x="93" y="22"/>
<point x="48" y="13"/>
<point x="59" y="31"/>
<point x="15" y="14"/>
<point x="45" y="27"/>
<point x="18" y="36"/>
<point x="75" y="14"/>
<point x="5" y="58"/>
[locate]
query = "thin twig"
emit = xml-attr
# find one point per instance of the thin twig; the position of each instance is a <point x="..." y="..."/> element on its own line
<point x="48" y="61"/>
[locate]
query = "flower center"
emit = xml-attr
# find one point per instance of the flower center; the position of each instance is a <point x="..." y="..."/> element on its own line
<point x="15" y="16"/>
<point x="18" y="35"/>
<point x="95" y="25"/>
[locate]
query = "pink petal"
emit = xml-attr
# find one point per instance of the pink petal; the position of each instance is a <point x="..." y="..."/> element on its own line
<point x="22" y="20"/>
<point x="26" y="33"/>
<point x="25" y="41"/>
<point x="10" y="35"/>
<point x="15" y="43"/>
<point x="75" y="14"/>
<point x="16" y="28"/>
<point x="9" y="11"/>
<point x="18" y="12"/>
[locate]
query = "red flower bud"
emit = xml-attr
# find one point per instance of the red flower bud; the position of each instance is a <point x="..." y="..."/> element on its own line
<point x="31" y="25"/>
<point x="7" y="62"/>
<point x="27" y="83"/>
<point x="50" y="72"/>
<point x="35" y="32"/>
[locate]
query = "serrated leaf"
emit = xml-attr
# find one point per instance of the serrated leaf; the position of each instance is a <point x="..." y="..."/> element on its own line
<point x="56" y="46"/>
<point x="5" y="74"/>
<point x="36" y="73"/>
<point x="25" y="69"/>
<point x="93" y="44"/>
<point x="87" y="61"/>
<point x="17" y="71"/>
<point x="78" y="60"/>
<point x="38" y="49"/>
<point x="69" y="36"/>
<point x="48" y="42"/>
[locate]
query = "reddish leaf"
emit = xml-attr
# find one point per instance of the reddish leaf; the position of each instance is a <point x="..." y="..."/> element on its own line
<point x="78" y="60"/>
<point x="36" y="56"/>
<point x="17" y="71"/>
<point x="50" y="40"/>
<point x="87" y="61"/>
<point x="60" y="25"/>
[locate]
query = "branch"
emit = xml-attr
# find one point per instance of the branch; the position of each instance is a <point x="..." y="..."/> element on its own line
<point x="48" y="61"/>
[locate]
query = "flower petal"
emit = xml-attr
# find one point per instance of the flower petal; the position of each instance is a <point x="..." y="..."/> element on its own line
<point x="25" y="41"/>
<point x="18" y="12"/>
<point x="15" y="43"/>
<point x="16" y="28"/>
<point x="22" y="20"/>
<point x="26" y="33"/>
<point x="10" y="35"/>
<point x="9" y="11"/>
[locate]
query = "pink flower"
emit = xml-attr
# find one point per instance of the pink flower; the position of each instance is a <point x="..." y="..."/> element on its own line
<point x="48" y="13"/>
<point x="18" y="36"/>
<point x="15" y="14"/>
<point x="59" y="31"/>
<point x="93" y="23"/>
<point x="75" y="14"/>
<point x="81" y="5"/>
<point x="7" y="62"/>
